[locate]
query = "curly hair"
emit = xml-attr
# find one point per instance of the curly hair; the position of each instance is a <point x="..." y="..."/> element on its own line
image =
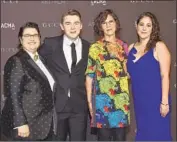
<point x="102" y="16"/>
<point x="155" y="34"/>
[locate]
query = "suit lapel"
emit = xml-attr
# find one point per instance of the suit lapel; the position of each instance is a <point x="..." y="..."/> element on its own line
<point x="31" y="66"/>
<point x="37" y="68"/>
<point x="59" y="57"/>
<point x="34" y="70"/>
<point x="79" y="65"/>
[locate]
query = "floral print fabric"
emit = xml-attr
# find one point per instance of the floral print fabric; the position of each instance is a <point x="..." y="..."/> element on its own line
<point x="110" y="93"/>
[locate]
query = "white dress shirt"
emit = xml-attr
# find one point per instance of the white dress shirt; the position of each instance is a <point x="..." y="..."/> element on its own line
<point x="67" y="51"/>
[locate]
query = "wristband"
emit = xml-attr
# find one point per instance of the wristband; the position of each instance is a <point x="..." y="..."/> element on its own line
<point x="165" y="104"/>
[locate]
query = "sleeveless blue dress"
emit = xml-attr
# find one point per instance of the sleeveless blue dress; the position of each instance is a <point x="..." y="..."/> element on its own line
<point x="147" y="93"/>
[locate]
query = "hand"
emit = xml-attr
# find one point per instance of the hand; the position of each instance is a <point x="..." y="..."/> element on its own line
<point x="91" y="118"/>
<point x="23" y="131"/>
<point x="91" y="113"/>
<point x="164" y="109"/>
<point x="128" y="75"/>
<point x="90" y="108"/>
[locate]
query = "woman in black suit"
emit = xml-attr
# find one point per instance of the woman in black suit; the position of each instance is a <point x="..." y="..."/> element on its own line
<point x="28" y="111"/>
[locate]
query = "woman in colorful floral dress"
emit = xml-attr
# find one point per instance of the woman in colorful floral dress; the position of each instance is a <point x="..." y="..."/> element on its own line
<point x="107" y="80"/>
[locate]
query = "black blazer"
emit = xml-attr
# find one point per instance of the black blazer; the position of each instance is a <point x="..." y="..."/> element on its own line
<point x="52" y="51"/>
<point x="29" y="98"/>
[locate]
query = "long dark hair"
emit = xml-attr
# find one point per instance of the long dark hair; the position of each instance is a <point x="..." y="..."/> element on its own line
<point x="155" y="35"/>
<point x="102" y="16"/>
<point x="23" y="27"/>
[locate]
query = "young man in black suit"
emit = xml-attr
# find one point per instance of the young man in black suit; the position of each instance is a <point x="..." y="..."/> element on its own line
<point x="66" y="56"/>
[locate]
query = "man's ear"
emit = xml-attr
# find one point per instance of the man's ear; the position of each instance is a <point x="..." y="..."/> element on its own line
<point x="81" y="26"/>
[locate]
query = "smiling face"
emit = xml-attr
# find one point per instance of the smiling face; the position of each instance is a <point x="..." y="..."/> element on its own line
<point x="30" y="40"/>
<point x="109" y="26"/>
<point x="71" y="26"/>
<point x="144" y="28"/>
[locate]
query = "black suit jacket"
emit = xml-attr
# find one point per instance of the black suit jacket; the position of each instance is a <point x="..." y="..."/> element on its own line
<point x="52" y="51"/>
<point x="29" y="98"/>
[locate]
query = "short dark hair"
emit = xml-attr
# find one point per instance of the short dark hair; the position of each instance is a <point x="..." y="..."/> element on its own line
<point x="102" y="16"/>
<point x="71" y="12"/>
<point x="23" y="27"/>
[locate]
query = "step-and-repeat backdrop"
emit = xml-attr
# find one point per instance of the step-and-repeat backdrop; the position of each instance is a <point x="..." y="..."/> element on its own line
<point x="47" y="14"/>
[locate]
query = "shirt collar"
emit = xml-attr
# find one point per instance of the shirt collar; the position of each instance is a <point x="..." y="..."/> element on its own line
<point x="31" y="54"/>
<point x="68" y="41"/>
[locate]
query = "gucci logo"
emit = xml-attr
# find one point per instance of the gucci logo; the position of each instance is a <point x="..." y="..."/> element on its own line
<point x="142" y="1"/>
<point x="50" y="25"/>
<point x="9" y="50"/>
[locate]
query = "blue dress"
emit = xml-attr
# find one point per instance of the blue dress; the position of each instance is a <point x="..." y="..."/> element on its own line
<point x="147" y="94"/>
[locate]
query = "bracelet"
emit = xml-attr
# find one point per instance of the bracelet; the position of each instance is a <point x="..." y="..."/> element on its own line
<point x="165" y="104"/>
<point x="91" y="111"/>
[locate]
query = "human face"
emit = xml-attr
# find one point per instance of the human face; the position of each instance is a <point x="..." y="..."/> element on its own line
<point x="71" y="26"/>
<point x="144" y="28"/>
<point x="30" y="40"/>
<point x="109" y="26"/>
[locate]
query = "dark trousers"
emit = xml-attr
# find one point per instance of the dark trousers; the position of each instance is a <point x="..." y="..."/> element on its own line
<point x="108" y="134"/>
<point x="72" y="124"/>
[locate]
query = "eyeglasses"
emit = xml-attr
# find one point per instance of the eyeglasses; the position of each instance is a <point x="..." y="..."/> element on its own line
<point x="31" y="36"/>
<point x="109" y="22"/>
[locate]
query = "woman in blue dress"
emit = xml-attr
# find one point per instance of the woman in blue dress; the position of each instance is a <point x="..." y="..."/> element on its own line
<point x="149" y="68"/>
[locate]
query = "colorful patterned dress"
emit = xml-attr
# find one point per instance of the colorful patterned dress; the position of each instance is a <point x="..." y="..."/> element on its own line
<point x="110" y="93"/>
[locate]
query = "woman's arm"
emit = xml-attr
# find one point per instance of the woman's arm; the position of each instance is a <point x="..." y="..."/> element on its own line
<point x="164" y="58"/>
<point x="13" y="90"/>
<point x="88" y="85"/>
<point x="90" y="74"/>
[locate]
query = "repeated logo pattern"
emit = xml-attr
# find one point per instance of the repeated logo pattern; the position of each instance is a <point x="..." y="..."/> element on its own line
<point x="98" y="2"/>
<point x="9" y="1"/>
<point x="53" y="2"/>
<point x="7" y="25"/>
